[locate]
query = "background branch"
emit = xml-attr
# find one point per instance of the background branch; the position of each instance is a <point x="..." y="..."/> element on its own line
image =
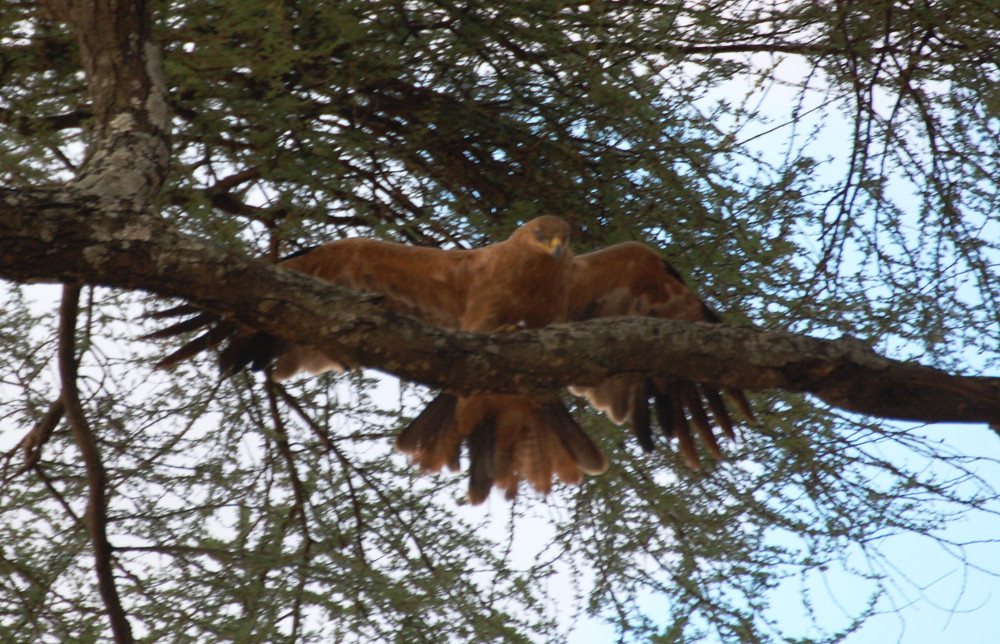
<point x="40" y="434"/>
<point x="97" y="479"/>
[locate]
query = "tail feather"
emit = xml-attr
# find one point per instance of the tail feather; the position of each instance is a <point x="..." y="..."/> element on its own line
<point x="505" y="473"/>
<point x="482" y="450"/>
<point x="432" y="439"/>
<point x="571" y="453"/>
<point x="532" y="456"/>
<point x="510" y="439"/>
<point x="534" y="442"/>
<point x="585" y="453"/>
<point x="566" y="469"/>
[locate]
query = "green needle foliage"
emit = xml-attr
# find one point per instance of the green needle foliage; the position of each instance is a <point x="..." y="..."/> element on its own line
<point x="821" y="167"/>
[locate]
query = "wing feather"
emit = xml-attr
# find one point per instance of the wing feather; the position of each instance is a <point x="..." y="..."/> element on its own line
<point x="631" y="279"/>
<point x="432" y="439"/>
<point x="696" y="412"/>
<point x="640" y="415"/>
<point x="719" y="412"/>
<point x="428" y="283"/>
<point x="682" y="430"/>
<point x="211" y="338"/>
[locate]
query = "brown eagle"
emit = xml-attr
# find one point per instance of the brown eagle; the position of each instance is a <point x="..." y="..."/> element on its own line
<point x="527" y="281"/>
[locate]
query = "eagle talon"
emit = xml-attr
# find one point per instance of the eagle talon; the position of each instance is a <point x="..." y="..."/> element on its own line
<point x="520" y="325"/>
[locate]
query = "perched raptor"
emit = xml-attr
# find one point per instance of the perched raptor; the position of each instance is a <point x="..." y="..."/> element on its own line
<point x="528" y="281"/>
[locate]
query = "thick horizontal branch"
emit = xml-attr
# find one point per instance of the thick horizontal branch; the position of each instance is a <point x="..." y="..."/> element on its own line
<point x="62" y="237"/>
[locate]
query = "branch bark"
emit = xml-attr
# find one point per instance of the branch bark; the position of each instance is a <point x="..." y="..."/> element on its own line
<point x="127" y="162"/>
<point x="68" y="239"/>
<point x="125" y="168"/>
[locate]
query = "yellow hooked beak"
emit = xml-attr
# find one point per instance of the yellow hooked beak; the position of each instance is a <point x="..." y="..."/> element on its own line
<point x="556" y="247"/>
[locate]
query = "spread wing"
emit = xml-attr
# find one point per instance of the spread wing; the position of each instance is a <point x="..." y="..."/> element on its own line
<point x="630" y="279"/>
<point x="428" y="283"/>
<point x="527" y="281"/>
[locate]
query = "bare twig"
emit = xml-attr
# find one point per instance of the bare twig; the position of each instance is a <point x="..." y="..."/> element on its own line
<point x="349" y="467"/>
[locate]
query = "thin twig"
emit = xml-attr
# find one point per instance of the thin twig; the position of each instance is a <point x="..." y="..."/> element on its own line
<point x="350" y="467"/>
<point x="301" y="504"/>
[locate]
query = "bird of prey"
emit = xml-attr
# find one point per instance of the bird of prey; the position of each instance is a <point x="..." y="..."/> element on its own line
<point x="528" y="281"/>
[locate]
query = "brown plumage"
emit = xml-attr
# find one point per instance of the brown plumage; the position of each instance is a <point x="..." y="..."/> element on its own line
<point x="520" y="283"/>
<point x="631" y="279"/>
<point x="527" y="281"/>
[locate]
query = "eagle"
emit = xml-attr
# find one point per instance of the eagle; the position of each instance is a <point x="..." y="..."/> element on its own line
<point x="528" y="281"/>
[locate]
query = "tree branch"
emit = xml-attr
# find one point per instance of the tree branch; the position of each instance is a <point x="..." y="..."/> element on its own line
<point x="55" y="237"/>
<point x="97" y="480"/>
<point x="40" y="434"/>
<point x="128" y="159"/>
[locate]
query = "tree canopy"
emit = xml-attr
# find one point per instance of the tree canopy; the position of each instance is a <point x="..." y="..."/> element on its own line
<point x="824" y="174"/>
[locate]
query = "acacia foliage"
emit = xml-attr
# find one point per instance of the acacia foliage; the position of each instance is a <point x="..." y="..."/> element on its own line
<point x="248" y="513"/>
